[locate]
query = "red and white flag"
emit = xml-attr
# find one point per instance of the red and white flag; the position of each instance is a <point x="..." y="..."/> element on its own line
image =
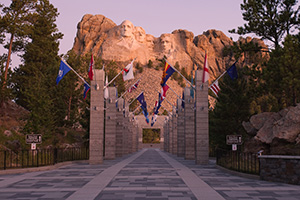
<point x="205" y="76"/>
<point x="91" y="73"/>
<point x="163" y="92"/>
<point x="215" y="87"/>
<point x="128" y="72"/>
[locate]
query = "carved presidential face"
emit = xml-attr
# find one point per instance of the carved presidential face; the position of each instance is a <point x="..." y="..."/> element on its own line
<point x="127" y="28"/>
<point x="140" y="34"/>
<point x="166" y="42"/>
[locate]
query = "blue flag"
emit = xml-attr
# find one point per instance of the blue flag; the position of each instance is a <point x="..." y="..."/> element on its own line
<point x="192" y="89"/>
<point x="86" y="89"/>
<point x="182" y="102"/>
<point x="232" y="72"/>
<point x="63" y="70"/>
<point x="141" y="99"/>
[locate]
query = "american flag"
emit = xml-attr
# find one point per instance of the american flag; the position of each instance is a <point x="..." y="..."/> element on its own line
<point x="134" y="86"/>
<point x="215" y="87"/>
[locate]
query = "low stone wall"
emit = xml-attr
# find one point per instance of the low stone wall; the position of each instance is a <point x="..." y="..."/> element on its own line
<point x="279" y="168"/>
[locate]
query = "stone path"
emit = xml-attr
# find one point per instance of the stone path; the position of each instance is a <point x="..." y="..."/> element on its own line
<point x="147" y="174"/>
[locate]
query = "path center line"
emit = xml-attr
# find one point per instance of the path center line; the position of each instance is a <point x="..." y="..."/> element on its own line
<point x="198" y="187"/>
<point x="95" y="186"/>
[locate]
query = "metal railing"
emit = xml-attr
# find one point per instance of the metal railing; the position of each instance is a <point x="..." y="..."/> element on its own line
<point x="238" y="161"/>
<point x="40" y="157"/>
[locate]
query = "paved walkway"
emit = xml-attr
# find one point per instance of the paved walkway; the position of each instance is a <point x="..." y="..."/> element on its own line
<point x="147" y="174"/>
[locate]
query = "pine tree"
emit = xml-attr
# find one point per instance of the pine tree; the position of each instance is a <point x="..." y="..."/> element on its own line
<point x="16" y="23"/>
<point x="36" y="78"/>
<point x="271" y="20"/>
<point x="231" y="109"/>
<point x="281" y="74"/>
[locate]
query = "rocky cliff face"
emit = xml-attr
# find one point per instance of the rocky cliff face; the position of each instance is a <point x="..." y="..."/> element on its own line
<point x="124" y="42"/>
<point x="102" y="37"/>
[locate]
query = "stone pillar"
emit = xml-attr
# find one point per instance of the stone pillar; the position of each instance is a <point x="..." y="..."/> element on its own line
<point x="125" y="130"/>
<point x="134" y="134"/>
<point x="201" y="120"/>
<point x="96" y="118"/>
<point x="174" y="125"/>
<point x="119" y="132"/>
<point x="180" y="129"/>
<point x="170" y="133"/>
<point x="189" y="125"/>
<point x="110" y="125"/>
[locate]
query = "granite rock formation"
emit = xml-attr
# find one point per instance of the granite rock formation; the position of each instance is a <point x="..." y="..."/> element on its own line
<point x="276" y="130"/>
<point x="122" y="43"/>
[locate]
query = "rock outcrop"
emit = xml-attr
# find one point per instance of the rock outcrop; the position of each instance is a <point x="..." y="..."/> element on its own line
<point x="276" y="129"/>
<point x="122" y="43"/>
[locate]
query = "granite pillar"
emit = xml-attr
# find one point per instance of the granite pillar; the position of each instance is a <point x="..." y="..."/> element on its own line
<point x="96" y="118"/>
<point x="201" y="120"/>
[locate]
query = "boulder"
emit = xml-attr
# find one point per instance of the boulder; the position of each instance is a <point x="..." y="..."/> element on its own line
<point x="279" y="130"/>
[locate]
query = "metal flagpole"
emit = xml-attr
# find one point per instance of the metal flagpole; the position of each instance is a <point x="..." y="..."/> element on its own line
<point x="169" y="87"/>
<point x="127" y="90"/>
<point x="135" y="98"/>
<point x="113" y="79"/>
<point x="136" y="109"/>
<point x="181" y="75"/>
<point x="75" y="72"/>
<point x="116" y="76"/>
<point x="165" y="109"/>
<point x="221" y="74"/>
<point x="167" y="100"/>
<point x="176" y="94"/>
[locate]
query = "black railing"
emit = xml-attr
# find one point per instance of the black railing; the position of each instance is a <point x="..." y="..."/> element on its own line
<point x="238" y="161"/>
<point x="40" y="157"/>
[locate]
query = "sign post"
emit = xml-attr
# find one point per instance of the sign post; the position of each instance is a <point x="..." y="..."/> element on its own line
<point x="234" y="140"/>
<point x="33" y="138"/>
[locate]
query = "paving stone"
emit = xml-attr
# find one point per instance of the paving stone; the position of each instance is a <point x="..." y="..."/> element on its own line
<point x="143" y="175"/>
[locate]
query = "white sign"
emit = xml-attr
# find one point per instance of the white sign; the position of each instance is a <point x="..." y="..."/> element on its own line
<point x="33" y="146"/>
<point x="233" y="139"/>
<point x="234" y="147"/>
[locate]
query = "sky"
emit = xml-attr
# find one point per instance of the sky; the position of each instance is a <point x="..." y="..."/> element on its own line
<point x="155" y="16"/>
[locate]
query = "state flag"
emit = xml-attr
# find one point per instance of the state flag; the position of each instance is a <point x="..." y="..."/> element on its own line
<point x="86" y="89"/>
<point x="168" y="71"/>
<point x="63" y="70"/>
<point x="232" y="72"/>
<point x="91" y="73"/>
<point x="205" y="76"/>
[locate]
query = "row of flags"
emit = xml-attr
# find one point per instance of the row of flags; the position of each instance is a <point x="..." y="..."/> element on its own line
<point x="127" y="74"/>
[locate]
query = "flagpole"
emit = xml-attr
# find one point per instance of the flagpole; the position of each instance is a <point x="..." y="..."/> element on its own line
<point x="113" y="79"/>
<point x="222" y="74"/>
<point x="165" y="109"/>
<point x="169" y="87"/>
<point x="127" y="90"/>
<point x="181" y="75"/>
<point x="136" y="109"/>
<point x="75" y="72"/>
<point x="167" y="101"/>
<point x="135" y="98"/>
<point x="116" y="76"/>
<point x="176" y="93"/>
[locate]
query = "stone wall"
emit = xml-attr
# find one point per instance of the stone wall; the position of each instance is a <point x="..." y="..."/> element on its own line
<point x="280" y="168"/>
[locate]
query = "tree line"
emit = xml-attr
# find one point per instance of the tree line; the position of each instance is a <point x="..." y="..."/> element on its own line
<point x="267" y="85"/>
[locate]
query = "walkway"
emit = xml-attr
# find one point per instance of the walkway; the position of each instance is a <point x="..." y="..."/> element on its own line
<point x="147" y="174"/>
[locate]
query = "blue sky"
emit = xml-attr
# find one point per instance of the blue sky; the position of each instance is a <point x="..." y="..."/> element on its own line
<point x="155" y="16"/>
